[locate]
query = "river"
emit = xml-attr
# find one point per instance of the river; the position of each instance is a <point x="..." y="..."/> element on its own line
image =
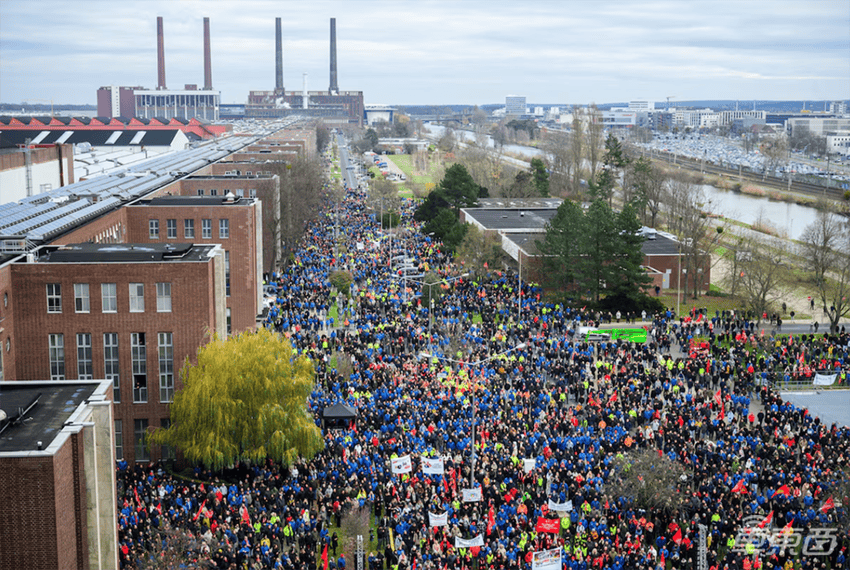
<point x="788" y="219"/>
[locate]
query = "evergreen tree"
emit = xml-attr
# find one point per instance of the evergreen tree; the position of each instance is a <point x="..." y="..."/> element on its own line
<point x="562" y="244"/>
<point x="541" y="177"/>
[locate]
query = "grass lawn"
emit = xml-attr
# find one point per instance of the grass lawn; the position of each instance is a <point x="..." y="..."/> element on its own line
<point x="333" y="313"/>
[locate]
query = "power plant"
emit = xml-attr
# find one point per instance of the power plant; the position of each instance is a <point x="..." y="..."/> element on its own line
<point x="333" y="105"/>
<point x="163" y="103"/>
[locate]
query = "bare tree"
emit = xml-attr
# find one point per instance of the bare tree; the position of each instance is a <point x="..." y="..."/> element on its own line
<point x="593" y="138"/>
<point x="826" y="251"/>
<point x="649" y="184"/>
<point x="480" y="251"/>
<point x="688" y="217"/>
<point x="557" y="147"/>
<point x="301" y="194"/>
<point x="653" y="482"/>
<point x="761" y="277"/>
<point x="775" y="153"/>
<point x="576" y="149"/>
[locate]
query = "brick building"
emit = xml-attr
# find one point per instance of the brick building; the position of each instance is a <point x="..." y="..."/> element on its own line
<point x="57" y="476"/>
<point x="130" y="313"/>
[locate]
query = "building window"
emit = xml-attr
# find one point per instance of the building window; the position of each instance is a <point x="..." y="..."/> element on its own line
<point x="1" y="362"/>
<point x="108" y="298"/>
<point x="213" y="192"/>
<point x="81" y="297"/>
<point x="153" y="229"/>
<point x="5" y="299"/>
<point x="200" y="191"/>
<point x="84" y="364"/>
<point x="54" y="298"/>
<point x="171" y="229"/>
<point x="228" y="320"/>
<point x="139" y="355"/>
<point x="166" y="367"/>
<point x="57" y="356"/>
<point x="137" y="297"/>
<point x="166" y="451"/>
<point x="163" y="297"/>
<point x="240" y="192"/>
<point x="110" y="364"/>
<point x="206" y="229"/>
<point x="223" y="229"/>
<point x="189" y="229"/>
<point x="252" y="192"/>
<point x="140" y="430"/>
<point x="227" y="273"/>
<point x="119" y="440"/>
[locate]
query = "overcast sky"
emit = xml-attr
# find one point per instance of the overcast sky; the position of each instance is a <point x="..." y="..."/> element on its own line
<point x="416" y="52"/>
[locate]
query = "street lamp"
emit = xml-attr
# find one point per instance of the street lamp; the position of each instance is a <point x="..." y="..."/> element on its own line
<point x="520" y="346"/>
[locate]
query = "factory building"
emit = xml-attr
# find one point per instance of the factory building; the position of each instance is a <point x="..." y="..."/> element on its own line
<point x="335" y="107"/>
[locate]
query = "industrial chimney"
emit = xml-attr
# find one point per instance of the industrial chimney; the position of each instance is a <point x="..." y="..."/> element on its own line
<point x="160" y="54"/>
<point x="278" y="51"/>
<point x="207" y="60"/>
<point x="304" y="97"/>
<point x="334" y="88"/>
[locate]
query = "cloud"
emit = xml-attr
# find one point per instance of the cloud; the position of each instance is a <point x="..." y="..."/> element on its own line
<point x="437" y="51"/>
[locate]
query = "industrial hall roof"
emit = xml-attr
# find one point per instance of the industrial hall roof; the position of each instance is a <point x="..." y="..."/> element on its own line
<point x="152" y="138"/>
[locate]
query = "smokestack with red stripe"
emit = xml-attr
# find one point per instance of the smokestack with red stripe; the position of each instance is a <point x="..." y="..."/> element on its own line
<point x="278" y="52"/>
<point x="334" y="88"/>
<point x="207" y="58"/>
<point x="160" y="54"/>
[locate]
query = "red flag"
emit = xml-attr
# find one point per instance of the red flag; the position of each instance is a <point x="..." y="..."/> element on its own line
<point x="828" y="504"/>
<point x="766" y="520"/>
<point x="739" y="487"/>
<point x="788" y="528"/>
<point x="415" y="561"/>
<point x="325" y="557"/>
<point x="159" y="508"/>
<point x="138" y="500"/>
<point x="245" y="518"/>
<point x="677" y="538"/>
<point x="201" y="510"/>
<point x="548" y="525"/>
<point x="718" y="398"/>
<point x="783" y="490"/>
<point x="491" y="520"/>
<point x="662" y="561"/>
<point x="612" y="399"/>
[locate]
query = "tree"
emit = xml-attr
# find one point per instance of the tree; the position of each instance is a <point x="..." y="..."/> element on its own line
<point x="826" y="250"/>
<point x="775" y="153"/>
<point x="302" y="182"/>
<point x="448" y="141"/>
<point x="648" y="183"/>
<point x="521" y="187"/>
<point x="479" y="119"/>
<point x="458" y="188"/>
<point x="323" y="136"/>
<point x="562" y="244"/>
<point x="593" y="137"/>
<point x="557" y="146"/>
<point x="627" y="262"/>
<point x="245" y="400"/>
<point x="600" y="248"/>
<point x="761" y="276"/>
<point x="540" y="176"/>
<point x="651" y="481"/>
<point x="480" y="251"/>
<point x="577" y="149"/>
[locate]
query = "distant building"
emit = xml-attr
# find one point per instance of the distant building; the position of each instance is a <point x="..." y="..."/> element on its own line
<point x="729" y="117"/>
<point x="377" y="113"/>
<point x="57" y="475"/>
<point x="820" y="126"/>
<point x="838" y="108"/>
<point x="187" y="103"/>
<point x="641" y="105"/>
<point x="515" y="105"/>
<point x="838" y="144"/>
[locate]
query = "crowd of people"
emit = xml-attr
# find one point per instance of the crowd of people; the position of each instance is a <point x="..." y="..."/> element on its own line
<point x="533" y="424"/>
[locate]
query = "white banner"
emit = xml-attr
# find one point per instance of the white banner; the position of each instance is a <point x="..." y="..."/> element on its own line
<point x="432" y="465"/>
<point x="438" y="520"/>
<point x="463" y="543"/>
<point x="402" y="465"/>
<point x="563" y="507"/>
<point x="546" y="560"/>
<point x="471" y="495"/>
<point x="824" y="380"/>
<point x="528" y="465"/>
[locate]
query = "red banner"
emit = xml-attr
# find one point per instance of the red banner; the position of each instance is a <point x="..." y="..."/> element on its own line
<point x="548" y="525"/>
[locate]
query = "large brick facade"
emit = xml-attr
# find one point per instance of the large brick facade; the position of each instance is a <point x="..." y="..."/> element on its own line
<point x="196" y="311"/>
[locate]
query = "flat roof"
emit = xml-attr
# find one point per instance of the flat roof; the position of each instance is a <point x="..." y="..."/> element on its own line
<point x="519" y="202"/>
<point x="512" y="218"/>
<point x="526" y="241"/>
<point x="661" y="245"/>
<point x="125" y="253"/>
<point x="55" y="403"/>
<point x="195" y="201"/>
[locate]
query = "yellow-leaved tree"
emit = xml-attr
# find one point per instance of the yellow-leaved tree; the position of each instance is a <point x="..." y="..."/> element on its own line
<point x="245" y="400"/>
